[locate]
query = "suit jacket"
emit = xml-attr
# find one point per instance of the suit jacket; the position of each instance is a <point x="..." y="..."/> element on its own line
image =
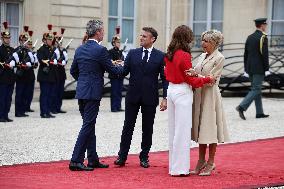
<point x="7" y="75"/>
<point x="143" y="81"/>
<point x="90" y="62"/>
<point x="256" y="53"/>
<point x="115" y="54"/>
<point x="46" y="53"/>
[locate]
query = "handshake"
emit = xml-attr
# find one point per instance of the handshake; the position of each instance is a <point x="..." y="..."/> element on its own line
<point x="192" y="73"/>
<point x="117" y="62"/>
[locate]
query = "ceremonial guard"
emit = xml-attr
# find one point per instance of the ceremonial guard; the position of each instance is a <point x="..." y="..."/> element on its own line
<point x="7" y="75"/>
<point x="256" y="66"/>
<point x="25" y="74"/>
<point x="61" y="74"/>
<point x="31" y="83"/>
<point x="46" y="73"/>
<point x="116" y="80"/>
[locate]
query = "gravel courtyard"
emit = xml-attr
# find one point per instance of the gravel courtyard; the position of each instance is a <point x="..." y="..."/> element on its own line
<point x="33" y="139"/>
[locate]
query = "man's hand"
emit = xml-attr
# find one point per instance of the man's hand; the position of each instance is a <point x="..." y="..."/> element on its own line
<point x="163" y="105"/>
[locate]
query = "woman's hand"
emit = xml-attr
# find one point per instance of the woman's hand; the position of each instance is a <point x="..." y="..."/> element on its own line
<point x="213" y="80"/>
<point x="191" y="72"/>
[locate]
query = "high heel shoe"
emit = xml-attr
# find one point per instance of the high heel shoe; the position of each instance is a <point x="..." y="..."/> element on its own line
<point x="200" y="165"/>
<point x="208" y="169"/>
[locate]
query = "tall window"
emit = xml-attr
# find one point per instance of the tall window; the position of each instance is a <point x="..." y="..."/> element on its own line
<point x="207" y="14"/>
<point x="121" y="13"/>
<point x="277" y="19"/>
<point x="10" y="11"/>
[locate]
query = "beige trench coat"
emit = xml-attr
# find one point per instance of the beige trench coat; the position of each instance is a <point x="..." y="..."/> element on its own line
<point x="209" y="124"/>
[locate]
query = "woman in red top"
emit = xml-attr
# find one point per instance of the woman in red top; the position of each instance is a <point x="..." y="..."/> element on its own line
<point x="178" y="60"/>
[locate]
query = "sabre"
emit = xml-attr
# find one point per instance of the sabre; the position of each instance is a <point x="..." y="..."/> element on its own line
<point x="68" y="44"/>
<point x="124" y="45"/>
<point x="61" y="40"/>
<point x="34" y="44"/>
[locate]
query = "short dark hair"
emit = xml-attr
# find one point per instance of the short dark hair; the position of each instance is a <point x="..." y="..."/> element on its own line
<point x="152" y="31"/>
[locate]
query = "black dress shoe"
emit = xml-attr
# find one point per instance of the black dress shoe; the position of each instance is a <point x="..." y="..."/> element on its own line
<point x="3" y="120"/>
<point x="241" y="112"/>
<point x="30" y="110"/>
<point x="51" y="116"/>
<point x="61" y="111"/>
<point x="144" y="163"/>
<point x="21" y="115"/>
<point x="54" y="112"/>
<point x="73" y="166"/>
<point x="119" y="161"/>
<point x="121" y="110"/>
<point x="261" y="116"/>
<point x="97" y="165"/>
<point x="44" y="116"/>
<point x="9" y="120"/>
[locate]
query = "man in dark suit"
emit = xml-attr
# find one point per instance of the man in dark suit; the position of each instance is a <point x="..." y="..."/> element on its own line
<point x="144" y="64"/>
<point x="256" y="65"/>
<point x="90" y="62"/>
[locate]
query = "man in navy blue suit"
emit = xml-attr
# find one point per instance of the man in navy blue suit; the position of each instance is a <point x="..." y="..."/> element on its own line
<point x="144" y="64"/>
<point x="90" y="62"/>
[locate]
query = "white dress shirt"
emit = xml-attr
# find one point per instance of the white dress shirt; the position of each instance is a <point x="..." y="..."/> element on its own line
<point x="149" y="52"/>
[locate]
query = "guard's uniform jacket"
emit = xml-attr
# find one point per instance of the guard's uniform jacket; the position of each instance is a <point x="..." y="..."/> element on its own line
<point x="256" y="53"/>
<point x="7" y="75"/>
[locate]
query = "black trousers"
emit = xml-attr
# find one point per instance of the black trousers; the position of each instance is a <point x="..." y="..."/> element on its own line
<point x="148" y="116"/>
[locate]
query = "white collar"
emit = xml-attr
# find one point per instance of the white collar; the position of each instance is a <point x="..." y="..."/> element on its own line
<point x="95" y="41"/>
<point x="149" y="50"/>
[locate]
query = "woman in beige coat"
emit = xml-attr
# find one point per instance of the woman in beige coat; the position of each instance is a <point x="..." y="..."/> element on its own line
<point x="209" y="124"/>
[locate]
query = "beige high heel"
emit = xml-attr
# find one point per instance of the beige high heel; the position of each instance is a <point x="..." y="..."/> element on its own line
<point x="208" y="169"/>
<point x="200" y="165"/>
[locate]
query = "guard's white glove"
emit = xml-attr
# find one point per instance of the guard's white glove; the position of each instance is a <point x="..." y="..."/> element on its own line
<point x="12" y="64"/>
<point x="65" y="56"/>
<point x="31" y="57"/>
<point x="267" y="73"/>
<point x="55" y="62"/>
<point x="36" y="59"/>
<point x="63" y="62"/>
<point x="246" y="74"/>
<point x="29" y="64"/>
<point x="16" y="57"/>
<point x="57" y="53"/>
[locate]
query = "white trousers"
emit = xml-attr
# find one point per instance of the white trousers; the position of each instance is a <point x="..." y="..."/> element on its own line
<point x="180" y="122"/>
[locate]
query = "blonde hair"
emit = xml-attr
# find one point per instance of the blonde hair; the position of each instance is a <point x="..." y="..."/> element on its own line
<point x="213" y="36"/>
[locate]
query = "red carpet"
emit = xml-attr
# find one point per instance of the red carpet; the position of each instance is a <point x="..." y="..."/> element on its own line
<point x="242" y="165"/>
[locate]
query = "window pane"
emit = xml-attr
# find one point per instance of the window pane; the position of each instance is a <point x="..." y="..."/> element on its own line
<point x="217" y="9"/>
<point x="112" y="7"/>
<point x="198" y="28"/>
<point x="112" y="23"/>
<point x="200" y="10"/>
<point x="128" y="8"/>
<point x="14" y="36"/>
<point x="277" y="28"/>
<point x="278" y="13"/>
<point x="127" y="30"/>
<point x="217" y="26"/>
<point x="12" y="14"/>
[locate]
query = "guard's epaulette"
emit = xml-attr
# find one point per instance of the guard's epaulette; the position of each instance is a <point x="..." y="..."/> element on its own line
<point x="264" y="35"/>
